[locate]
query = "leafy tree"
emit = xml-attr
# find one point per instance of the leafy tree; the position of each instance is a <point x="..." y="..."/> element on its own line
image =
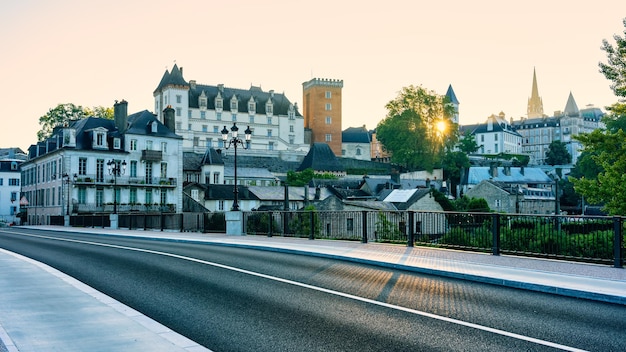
<point x="417" y="129"/>
<point x="467" y="144"/>
<point x="302" y="178"/>
<point x="607" y="149"/>
<point x="63" y="113"/>
<point x="557" y="154"/>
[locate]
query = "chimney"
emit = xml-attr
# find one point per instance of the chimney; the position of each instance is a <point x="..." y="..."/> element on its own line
<point x="169" y="119"/>
<point x="318" y="192"/>
<point x="490" y="123"/>
<point x="521" y="170"/>
<point x="192" y="84"/>
<point x="395" y="176"/>
<point x="493" y="170"/>
<point x="507" y="170"/>
<point x="120" y="113"/>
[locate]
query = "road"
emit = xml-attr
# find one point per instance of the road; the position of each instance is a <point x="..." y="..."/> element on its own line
<point x="232" y="299"/>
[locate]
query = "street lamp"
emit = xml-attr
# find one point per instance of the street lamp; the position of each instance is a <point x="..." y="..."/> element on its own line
<point x="234" y="141"/>
<point x="116" y="169"/>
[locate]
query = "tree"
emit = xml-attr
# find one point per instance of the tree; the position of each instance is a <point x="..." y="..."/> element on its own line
<point x="607" y="149"/>
<point x="557" y="154"/>
<point x="417" y="129"/>
<point x="63" y="113"/>
<point x="467" y="144"/>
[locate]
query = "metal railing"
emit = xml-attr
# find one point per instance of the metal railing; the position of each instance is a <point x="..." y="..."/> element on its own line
<point x="576" y="238"/>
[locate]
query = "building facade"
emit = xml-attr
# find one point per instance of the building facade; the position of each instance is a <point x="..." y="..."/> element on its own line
<point x="202" y="111"/>
<point x="10" y="185"/>
<point x="322" y="111"/>
<point x="72" y="172"/>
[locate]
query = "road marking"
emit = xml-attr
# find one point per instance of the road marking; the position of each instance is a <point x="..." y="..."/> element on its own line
<point x="328" y="291"/>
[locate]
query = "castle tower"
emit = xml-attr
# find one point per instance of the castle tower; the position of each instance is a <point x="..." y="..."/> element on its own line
<point x="322" y="111"/>
<point x="535" y="104"/>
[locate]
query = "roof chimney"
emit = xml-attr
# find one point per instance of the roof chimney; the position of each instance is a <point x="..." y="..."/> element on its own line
<point x="120" y="113"/>
<point x="169" y="120"/>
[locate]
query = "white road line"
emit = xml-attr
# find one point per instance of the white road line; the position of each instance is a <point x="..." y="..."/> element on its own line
<point x="332" y="292"/>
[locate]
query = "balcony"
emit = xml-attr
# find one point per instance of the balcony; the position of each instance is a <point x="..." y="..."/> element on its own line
<point x="151" y="155"/>
<point x="91" y="180"/>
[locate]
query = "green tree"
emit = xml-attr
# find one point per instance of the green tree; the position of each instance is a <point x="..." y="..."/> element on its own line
<point x="63" y="113"/>
<point x="467" y="144"/>
<point x="557" y="154"/>
<point x="607" y="148"/>
<point x="302" y="178"/>
<point x="417" y="129"/>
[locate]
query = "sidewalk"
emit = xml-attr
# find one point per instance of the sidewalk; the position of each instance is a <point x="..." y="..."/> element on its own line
<point x="587" y="281"/>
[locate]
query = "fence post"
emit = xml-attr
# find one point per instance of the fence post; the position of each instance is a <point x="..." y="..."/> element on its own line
<point x="618" y="241"/>
<point x="495" y="229"/>
<point x="312" y="219"/>
<point x="364" y="230"/>
<point x="410" y="237"/>
<point x="270" y="221"/>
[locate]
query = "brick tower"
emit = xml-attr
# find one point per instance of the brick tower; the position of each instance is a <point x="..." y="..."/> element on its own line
<point x="322" y="111"/>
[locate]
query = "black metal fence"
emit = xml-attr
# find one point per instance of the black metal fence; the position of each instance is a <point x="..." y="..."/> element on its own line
<point x="576" y="238"/>
<point x="593" y="239"/>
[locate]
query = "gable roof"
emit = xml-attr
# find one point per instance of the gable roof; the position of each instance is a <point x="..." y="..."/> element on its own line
<point x="321" y="158"/>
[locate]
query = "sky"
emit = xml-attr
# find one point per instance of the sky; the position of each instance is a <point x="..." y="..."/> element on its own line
<point x="92" y="53"/>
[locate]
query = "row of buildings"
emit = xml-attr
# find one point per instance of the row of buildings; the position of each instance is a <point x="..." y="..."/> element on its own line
<point x="174" y="160"/>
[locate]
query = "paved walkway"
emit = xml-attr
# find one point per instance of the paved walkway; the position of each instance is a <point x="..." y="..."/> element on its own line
<point x="43" y="309"/>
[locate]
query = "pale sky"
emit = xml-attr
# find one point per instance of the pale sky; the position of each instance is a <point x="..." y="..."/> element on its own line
<point x="92" y="53"/>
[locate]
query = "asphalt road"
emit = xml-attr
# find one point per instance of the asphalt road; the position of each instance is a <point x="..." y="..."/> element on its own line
<point x="231" y="299"/>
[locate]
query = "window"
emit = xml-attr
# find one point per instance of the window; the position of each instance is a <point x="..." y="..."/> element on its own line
<point x="133" y="168"/>
<point x="269" y="108"/>
<point x="251" y="118"/>
<point x="189" y="127"/>
<point x="205" y="128"/>
<point x="179" y="99"/>
<point x="164" y="147"/>
<point x="358" y="151"/>
<point x="100" y="139"/>
<point x="292" y="112"/>
<point x="329" y="137"/>
<point x="179" y="125"/>
<point x="195" y="194"/>
<point x="100" y="197"/>
<point x="269" y="120"/>
<point x="328" y="94"/>
<point x="234" y="116"/>
<point x="14" y="182"/>
<point x="149" y="173"/>
<point x="179" y="112"/>
<point x="220" y="205"/>
<point x="203" y="114"/>
<point x="291" y="128"/>
<point x="148" y="145"/>
<point x="216" y="178"/>
<point x="270" y="146"/>
<point x="100" y="170"/>
<point x="233" y="104"/>
<point x="133" y="144"/>
<point x="163" y="170"/>
<point x="196" y="141"/>
<point x="82" y="195"/>
<point x="13" y="196"/>
<point x="133" y="196"/>
<point x="218" y="116"/>
<point x="82" y="166"/>
<point x="189" y="114"/>
<point x="219" y="103"/>
<point x="495" y="137"/>
<point x="329" y="120"/>
<point x="329" y="106"/>
<point x="350" y="224"/>
<point x="216" y="129"/>
<point x="148" y="196"/>
<point x="163" y="197"/>
<point x="116" y="143"/>
<point x="251" y="106"/>
<point x="269" y="132"/>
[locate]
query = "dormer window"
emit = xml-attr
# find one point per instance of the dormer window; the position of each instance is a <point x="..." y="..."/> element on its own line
<point x="269" y="108"/>
<point x="251" y="106"/>
<point x="69" y="137"/>
<point x="291" y="113"/>
<point x="117" y="143"/>
<point x="234" y="104"/>
<point x="202" y="101"/>
<point x="219" y="103"/>
<point x="99" y="139"/>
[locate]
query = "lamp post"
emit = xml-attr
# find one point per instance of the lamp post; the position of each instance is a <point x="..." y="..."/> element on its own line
<point x="236" y="141"/>
<point x="66" y="180"/>
<point x="116" y="169"/>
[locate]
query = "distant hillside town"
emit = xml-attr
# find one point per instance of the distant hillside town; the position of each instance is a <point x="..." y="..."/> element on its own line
<point x="175" y="159"/>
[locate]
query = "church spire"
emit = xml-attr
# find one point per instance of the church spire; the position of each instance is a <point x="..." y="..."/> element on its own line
<point x="535" y="104"/>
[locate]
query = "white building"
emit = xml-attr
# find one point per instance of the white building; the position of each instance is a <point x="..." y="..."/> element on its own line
<point x="10" y="185"/>
<point x="202" y="111"/>
<point x="497" y="136"/>
<point x="70" y="172"/>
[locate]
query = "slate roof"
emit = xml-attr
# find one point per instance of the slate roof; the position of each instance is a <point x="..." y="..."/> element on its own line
<point x="571" y="109"/>
<point x="248" y="172"/>
<point x="355" y="135"/>
<point x="280" y="102"/>
<point x="498" y="125"/>
<point x="531" y="175"/>
<point x="321" y="158"/>
<point x="225" y="192"/>
<point x="138" y="123"/>
<point x="450" y="94"/>
<point x="212" y="157"/>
